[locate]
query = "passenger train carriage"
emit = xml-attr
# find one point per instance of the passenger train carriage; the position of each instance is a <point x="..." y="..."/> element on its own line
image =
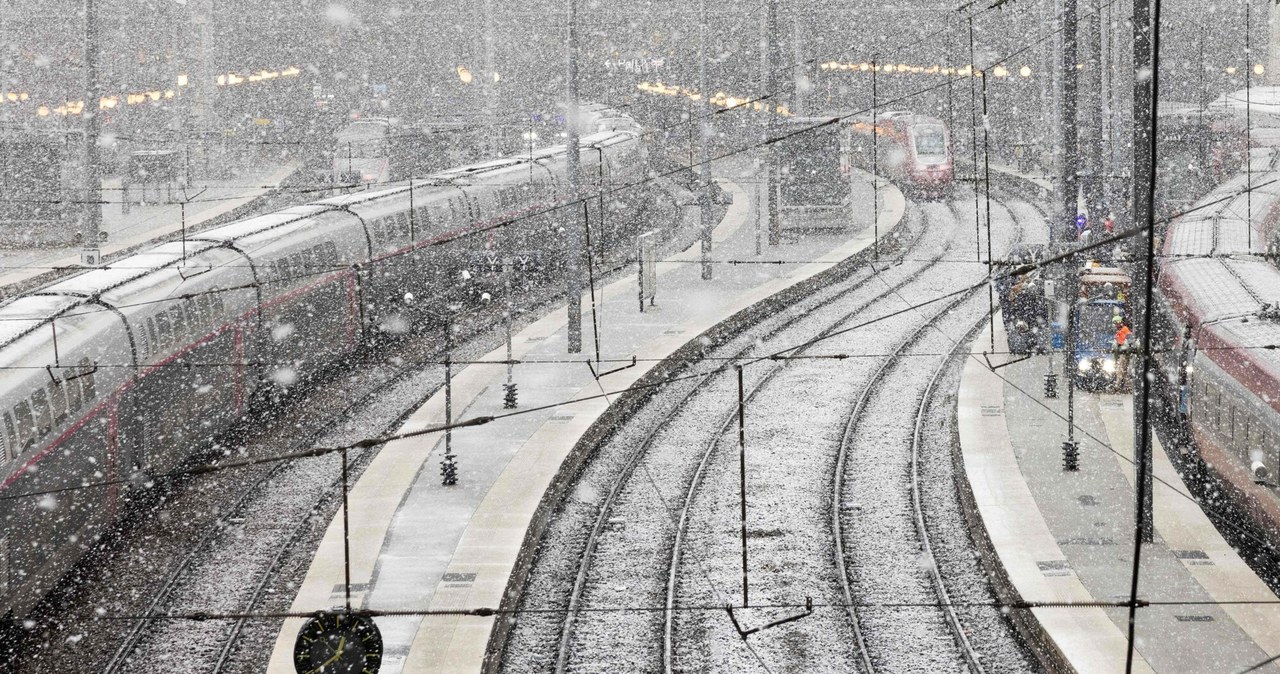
<point x="125" y="372"/>
<point x="1219" y="299"/>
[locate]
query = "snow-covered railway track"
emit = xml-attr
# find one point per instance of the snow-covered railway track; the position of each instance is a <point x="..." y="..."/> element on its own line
<point x="654" y="506"/>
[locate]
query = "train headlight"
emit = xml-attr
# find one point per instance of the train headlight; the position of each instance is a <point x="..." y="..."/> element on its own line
<point x="1109" y="365"/>
<point x="1083" y="365"/>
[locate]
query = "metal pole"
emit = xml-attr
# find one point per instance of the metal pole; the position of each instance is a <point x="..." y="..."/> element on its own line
<point x="973" y="121"/>
<point x="91" y="228"/>
<point x="1248" y="129"/>
<point x="1070" y="146"/>
<point x="704" y="122"/>
<point x="742" y="482"/>
<point x="770" y="115"/>
<point x="986" y="167"/>
<point x="1146" y="101"/>
<point x="875" y="157"/>
<point x="507" y="268"/>
<point x="1144" y="105"/>
<point x="346" y="535"/>
<point x="490" y="83"/>
<point x="573" y="232"/>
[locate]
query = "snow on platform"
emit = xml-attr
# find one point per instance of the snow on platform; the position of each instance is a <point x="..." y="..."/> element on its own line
<point x="417" y="545"/>
<point x="146" y="223"/>
<point x="1067" y="537"/>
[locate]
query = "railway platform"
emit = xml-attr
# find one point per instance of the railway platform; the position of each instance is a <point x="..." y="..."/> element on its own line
<point x="209" y="201"/>
<point x="1057" y="536"/>
<point x="417" y="545"/>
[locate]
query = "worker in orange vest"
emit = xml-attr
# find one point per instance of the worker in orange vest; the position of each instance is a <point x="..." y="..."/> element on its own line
<point x="1121" y="352"/>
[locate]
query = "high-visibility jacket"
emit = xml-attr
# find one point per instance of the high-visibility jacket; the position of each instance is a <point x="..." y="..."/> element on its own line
<point x="1123" y="334"/>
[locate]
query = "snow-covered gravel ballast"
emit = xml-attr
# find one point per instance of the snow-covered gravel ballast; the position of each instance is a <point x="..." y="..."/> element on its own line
<point x="647" y="548"/>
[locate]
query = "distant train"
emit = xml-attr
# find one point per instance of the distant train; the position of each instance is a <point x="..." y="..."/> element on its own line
<point x="913" y="151"/>
<point x="125" y="372"/>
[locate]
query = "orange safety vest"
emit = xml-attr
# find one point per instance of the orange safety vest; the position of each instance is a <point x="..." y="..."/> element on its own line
<point x="1122" y="334"/>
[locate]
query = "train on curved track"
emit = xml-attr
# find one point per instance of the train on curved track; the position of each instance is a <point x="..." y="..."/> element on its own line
<point x="125" y="372"/>
<point x="1218" y="335"/>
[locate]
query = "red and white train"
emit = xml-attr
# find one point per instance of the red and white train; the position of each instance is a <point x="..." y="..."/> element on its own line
<point x="126" y="371"/>
<point x="1219" y="297"/>
<point x="910" y="149"/>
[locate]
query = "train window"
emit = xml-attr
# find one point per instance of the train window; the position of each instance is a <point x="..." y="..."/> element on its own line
<point x="331" y="253"/>
<point x="163" y="330"/>
<point x="152" y="334"/>
<point x="179" y="320"/>
<point x="72" y="387"/>
<point x="215" y="301"/>
<point x="11" y="435"/>
<point x="58" y="402"/>
<point x="40" y="409"/>
<point x="26" y="423"/>
<point x="300" y="264"/>
<point x="281" y="269"/>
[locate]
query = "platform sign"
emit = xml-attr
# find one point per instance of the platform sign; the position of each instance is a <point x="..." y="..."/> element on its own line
<point x="648" y="272"/>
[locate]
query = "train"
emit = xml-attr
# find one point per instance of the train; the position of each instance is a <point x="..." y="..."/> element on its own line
<point x="912" y="150"/>
<point x="122" y="373"/>
<point x="1219" y="323"/>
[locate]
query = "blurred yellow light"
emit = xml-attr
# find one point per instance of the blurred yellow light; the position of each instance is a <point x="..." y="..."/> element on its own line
<point x="168" y="93"/>
<point x="1231" y="70"/>
<point x="155" y="95"/>
<point x="43" y="111"/>
<point x="291" y="71"/>
<point x="24" y="95"/>
<point x="1025" y="71"/>
<point x="887" y="69"/>
<point x="496" y="78"/>
<point x="222" y="80"/>
<point x="1000" y="71"/>
<point x="182" y="80"/>
<point x="464" y="74"/>
<point x="1258" y="69"/>
<point x="12" y="96"/>
<point x="864" y="67"/>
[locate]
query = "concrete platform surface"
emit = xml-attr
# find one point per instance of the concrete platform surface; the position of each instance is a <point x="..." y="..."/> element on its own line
<point x="417" y="545"/>
<point x="1068" y="536"/>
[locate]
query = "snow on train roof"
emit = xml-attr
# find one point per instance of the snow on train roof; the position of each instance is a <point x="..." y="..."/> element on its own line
<point x="1251" y="335"/>
<point x="22" y="314"/>
<point x="243" y="228"/>
<point x="97" y="281"/>
<point x="1216" y="293"/>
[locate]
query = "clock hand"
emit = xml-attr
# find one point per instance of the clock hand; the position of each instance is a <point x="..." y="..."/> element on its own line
<point x="342" y="643"/>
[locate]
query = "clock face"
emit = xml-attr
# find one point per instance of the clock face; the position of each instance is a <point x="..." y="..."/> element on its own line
<point x="335" y="642"/>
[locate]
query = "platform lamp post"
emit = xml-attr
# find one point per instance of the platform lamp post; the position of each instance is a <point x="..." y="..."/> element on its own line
<point x="91" y="226"/>
<point x="449" y="464"/>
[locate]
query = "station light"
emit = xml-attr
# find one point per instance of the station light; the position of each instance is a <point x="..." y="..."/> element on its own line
<point x="182" y="80"/>
<point x="1025" y="71"/>
<point x="1231" y="70"/>
<point x="464" y="74"/>
<point x="1258" y="69"/>
<point x="1000" y="71"/>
